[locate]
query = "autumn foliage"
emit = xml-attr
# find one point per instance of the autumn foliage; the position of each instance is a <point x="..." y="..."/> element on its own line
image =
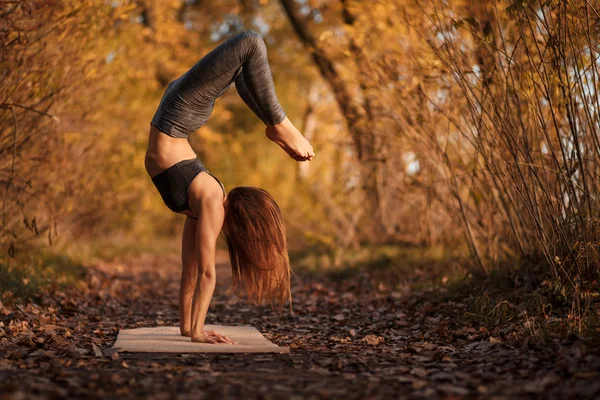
<point x="464" y="125"/>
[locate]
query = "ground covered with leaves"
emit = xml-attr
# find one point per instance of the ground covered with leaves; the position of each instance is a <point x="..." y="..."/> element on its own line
<point x="349" y="337"/>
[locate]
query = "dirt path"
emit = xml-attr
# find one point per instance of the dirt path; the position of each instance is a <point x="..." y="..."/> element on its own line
<point x="347" y="340"/>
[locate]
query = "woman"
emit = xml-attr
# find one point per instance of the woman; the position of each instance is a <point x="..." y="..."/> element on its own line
<point x="251" y="221"/>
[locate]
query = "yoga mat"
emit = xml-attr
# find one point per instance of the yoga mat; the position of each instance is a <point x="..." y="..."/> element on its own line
<point x="167" y="339"/>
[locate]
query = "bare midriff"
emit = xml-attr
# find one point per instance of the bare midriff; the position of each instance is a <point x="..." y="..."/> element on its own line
<point x="165" y="151"/>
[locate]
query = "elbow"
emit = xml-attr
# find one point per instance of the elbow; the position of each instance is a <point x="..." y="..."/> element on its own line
<point x="207" y="275"/>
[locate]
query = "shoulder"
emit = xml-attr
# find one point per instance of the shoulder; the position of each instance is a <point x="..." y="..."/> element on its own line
<point x="205" y="193"/>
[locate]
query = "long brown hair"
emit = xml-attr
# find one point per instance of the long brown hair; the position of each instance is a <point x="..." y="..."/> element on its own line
<point x="257" y="241"/>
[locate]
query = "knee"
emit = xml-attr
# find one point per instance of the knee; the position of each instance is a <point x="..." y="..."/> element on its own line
<point x="252" y="41"/>
<point x="251" y="36"/>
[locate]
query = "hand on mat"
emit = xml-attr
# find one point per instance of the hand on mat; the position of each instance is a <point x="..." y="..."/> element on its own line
<point x="212" y="337"/>
<point x="220" y="338"/>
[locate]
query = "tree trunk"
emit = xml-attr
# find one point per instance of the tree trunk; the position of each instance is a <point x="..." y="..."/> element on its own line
<point x="357" y="118"/>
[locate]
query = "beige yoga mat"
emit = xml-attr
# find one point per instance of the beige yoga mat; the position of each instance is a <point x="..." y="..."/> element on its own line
<point x="167" y="339"/>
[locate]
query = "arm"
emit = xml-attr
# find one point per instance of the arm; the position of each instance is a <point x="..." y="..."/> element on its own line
<point x="209" y="226"/>
<point x="189" y="274"/>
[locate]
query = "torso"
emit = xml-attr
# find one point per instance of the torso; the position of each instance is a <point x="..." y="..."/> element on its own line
<point x="165" y="151"/>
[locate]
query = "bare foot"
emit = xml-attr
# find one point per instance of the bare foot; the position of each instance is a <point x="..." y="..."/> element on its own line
<point x="186" y="333"/>
<point x="291" y="140"/>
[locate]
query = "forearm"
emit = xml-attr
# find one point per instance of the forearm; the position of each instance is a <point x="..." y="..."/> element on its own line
<point x="203" y="293"/>
<point x="209" y="226"/>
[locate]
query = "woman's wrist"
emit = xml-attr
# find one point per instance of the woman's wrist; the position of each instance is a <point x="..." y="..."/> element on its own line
<point x="197" y="333"/>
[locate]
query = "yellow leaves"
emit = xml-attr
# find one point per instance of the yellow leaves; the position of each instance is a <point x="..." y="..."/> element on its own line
<point x="71" y="137"/>
<point x="126" y="8"/>
<point x="90" y="74"/>
<point x="236" y="148"/>
<point x="319" y="238"/>
<point x="325" y="35"/>
<point x="210" y="136"/>
<point x="12" y="36"/>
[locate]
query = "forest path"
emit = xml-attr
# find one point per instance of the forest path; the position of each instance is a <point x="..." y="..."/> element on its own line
<point x="346" y="339"/>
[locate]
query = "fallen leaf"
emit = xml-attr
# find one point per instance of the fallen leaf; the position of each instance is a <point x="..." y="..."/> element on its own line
<point x="373" y="339"/>
<point x="339" y="317"/>
<point x="493" y="340"/>
<point x="420" y="372"/>
<point x="453" y="390"/>
<point x="97" y="350"/>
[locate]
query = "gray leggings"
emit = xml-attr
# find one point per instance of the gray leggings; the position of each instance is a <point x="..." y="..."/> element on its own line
<point x="190" y="99"/>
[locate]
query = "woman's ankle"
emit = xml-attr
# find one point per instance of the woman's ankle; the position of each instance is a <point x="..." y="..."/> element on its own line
<point x="283" y="124"/>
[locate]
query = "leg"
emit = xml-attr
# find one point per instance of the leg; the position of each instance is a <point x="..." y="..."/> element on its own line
<point x="284" y="133"/>
<point x="189" y="275"/>
<point x="289" y="138"/>
<point x="244" y="93"/>
<point x="242" y="59"/>
<point x="244" y="54"/>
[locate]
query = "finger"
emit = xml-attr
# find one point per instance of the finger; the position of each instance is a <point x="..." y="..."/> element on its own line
<point x="218" y="339"/>
<point x="208" y="340"/>
<point x="224" y="338"/>
<point x="217" y="335"/>
<point x="228" y="341"/>
<point x="220" y="336"/>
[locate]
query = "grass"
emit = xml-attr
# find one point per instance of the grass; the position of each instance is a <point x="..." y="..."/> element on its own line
<point x="26" y="275"/>
<point x="121" y="247"/>
<point x="510" y="297"/>
<point x="389" y="265"/>
<point x="507" y="298"/>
